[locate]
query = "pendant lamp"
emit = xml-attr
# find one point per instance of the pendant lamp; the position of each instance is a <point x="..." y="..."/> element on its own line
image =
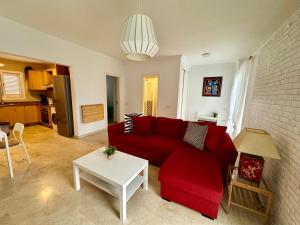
<point x="138" y="40"/>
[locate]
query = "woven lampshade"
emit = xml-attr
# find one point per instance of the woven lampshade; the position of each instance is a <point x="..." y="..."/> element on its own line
<point x="138" y="39"/>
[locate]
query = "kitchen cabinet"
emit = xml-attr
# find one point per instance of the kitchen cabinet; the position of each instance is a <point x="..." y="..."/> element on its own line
<point x="47" y="78"/>
<point x="22" y="113"/>
<point x="32" y="114"/>
<point x="39" y="80"/>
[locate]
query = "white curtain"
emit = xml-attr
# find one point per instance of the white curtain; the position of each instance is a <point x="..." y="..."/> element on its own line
<point x="238" y="97"/>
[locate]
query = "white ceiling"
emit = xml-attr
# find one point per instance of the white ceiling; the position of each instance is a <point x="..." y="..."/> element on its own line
<point x="19" y="58"/>
<point x="229" y="29"/>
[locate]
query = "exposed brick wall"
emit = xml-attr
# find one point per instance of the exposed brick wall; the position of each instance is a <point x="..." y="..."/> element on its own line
<point x="275" y="107"/>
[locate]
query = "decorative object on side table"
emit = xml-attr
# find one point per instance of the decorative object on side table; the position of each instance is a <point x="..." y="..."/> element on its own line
<point x="212" y="86"/>
<point x="110" y="151"/>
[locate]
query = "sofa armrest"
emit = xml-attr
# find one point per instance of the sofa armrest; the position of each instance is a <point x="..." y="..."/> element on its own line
<point x="226" y="155"/>
<point x="114" y="131"/>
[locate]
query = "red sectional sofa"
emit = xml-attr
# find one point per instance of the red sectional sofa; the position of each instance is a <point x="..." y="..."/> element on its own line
<point x="188" y="176"/>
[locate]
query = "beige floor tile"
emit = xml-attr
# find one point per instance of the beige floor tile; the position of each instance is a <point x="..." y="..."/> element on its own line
<point x="43" y="194"/>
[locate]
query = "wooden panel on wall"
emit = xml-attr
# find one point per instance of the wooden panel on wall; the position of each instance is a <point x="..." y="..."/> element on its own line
<point x="91" y="113"/>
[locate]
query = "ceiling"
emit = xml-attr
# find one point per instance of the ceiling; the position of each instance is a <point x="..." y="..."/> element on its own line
<point x="228" y="29"/>
<point x="19" y="58"/>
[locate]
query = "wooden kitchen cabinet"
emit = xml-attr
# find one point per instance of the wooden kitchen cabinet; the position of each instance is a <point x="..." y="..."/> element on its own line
<point x="26" y="114"/>
<point x="12" y="114"/>
<point x="39" y="80"/>
<point x="47" y="78"/>
<point x="18" y="114"/>
<point x="32" y="114"/>
<point x="7" y="115"/>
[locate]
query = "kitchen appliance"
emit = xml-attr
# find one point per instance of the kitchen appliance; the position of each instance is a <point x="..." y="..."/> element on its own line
<point x="45" y="115"/>
<point x="53" y="118"/>
<point x="43" y="99"/>
<point x="50" y="101"/>
<point x="63" y="105"/>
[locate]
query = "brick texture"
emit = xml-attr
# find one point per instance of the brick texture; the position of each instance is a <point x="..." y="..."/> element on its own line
<point x="275" y="107"/>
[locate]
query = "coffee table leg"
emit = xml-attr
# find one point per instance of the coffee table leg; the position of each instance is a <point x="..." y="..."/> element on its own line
<point x="145" y="176"/>
<point x="76" y="177"/>
<point x="123" y="204"/>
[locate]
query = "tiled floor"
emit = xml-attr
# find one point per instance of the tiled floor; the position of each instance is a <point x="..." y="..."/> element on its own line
<point x="43" y="193"/>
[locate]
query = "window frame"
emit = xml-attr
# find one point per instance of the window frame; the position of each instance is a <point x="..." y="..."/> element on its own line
<point x="8" y="97"/>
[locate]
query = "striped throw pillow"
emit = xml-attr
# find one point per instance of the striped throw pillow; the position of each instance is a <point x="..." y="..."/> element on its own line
<point x="195" y="135"/>
<point x="128" y="125"/>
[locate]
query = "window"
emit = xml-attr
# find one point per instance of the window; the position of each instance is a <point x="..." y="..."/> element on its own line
<point x="11" y="85"/>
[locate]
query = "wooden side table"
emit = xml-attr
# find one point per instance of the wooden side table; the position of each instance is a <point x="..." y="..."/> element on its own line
<point x="245" y="195"/>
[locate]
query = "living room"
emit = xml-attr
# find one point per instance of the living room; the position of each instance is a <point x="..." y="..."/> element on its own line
<point x="259" y="39"/>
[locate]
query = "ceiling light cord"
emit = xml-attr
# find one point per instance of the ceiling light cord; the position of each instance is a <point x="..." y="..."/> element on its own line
<point x="139" y="6"/>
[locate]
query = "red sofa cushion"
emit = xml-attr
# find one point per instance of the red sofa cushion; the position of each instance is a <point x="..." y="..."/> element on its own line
<point x="142" y="125"/>
<point x="214" y="137"/>
<point x="226" y="154"/>
<point x="195" y="172"/>
<point x="168" y="127"/>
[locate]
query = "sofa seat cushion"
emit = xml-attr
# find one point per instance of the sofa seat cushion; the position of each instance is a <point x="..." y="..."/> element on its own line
<point x="195" y="172"/>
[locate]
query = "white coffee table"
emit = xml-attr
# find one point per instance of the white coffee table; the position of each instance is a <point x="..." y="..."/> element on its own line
<point x="119" y="176"/>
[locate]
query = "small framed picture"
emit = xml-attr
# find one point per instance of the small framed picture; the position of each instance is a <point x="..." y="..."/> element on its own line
<point x="212" y="86"/>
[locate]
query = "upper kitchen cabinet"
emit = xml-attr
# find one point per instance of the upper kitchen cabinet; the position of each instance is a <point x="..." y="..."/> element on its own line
<point x="39" y="80"/>
<point x="47" y="78"/>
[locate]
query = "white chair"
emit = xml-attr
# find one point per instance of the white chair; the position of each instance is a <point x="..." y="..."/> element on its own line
<point x="3" y="139"/>
<point x="19" y="128"/>
<point x="16" y="141"/>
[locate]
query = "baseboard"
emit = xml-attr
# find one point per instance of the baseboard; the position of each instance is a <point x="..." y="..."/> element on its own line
<point x="90" y="133"/>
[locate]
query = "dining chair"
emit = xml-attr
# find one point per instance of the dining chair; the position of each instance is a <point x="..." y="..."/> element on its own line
<point x="4" y="140"/>
<point x="18" y="140"/>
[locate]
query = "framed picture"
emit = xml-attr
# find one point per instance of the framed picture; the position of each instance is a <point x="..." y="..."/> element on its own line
<point x="212" y="86"/>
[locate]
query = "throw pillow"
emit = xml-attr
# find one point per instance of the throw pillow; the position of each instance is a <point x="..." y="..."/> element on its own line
<point x="142" y="125"/>
<point x="128" y="127"/>
<point x="195" y="135"/>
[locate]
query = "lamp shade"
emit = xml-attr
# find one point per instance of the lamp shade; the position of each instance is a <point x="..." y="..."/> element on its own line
<point x="256" y="142"/>
<point x="138" y="39"/>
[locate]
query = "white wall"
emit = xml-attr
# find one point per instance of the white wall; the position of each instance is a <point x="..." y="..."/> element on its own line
<point x="273" y="105"/>
<point x="205" y="106"/>
<point x="168" y="69"/>
<point x="88" y="68"/>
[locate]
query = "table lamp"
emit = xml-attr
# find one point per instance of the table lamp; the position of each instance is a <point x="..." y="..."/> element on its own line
<point x="252" y="145"/>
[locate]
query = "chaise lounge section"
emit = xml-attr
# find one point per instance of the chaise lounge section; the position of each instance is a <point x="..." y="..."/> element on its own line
<point x="188" y="176"/>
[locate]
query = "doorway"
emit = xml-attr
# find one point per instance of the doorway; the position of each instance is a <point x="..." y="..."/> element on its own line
<point x="112" y="99"/>
<point x="150" y="95"/>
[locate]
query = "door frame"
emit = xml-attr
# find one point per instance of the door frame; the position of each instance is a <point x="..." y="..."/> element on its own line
<point x="117" y="101"/>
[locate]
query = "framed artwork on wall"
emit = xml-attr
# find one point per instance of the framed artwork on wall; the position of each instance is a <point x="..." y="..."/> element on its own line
<point x="212" y="86"/>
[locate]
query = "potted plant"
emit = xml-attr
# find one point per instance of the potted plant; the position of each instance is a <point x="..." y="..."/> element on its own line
<point x="110" y="151"/>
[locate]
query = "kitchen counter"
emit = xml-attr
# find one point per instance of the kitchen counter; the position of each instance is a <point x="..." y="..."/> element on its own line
<point x="5" y="104"/>
<point x="20" y="112"/>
